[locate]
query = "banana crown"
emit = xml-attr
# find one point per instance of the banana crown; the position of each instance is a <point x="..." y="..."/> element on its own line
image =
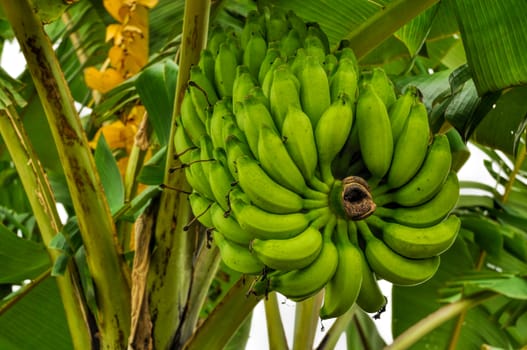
<point x="312" y="173"/>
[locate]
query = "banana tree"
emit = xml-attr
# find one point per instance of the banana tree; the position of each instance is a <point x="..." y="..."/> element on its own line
<point x="99" y="246"/>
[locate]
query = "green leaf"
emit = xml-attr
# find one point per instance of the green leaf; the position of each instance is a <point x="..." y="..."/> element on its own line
<point x="156" y="86"/>
<point x="20" y="258"/>
<point x="362" y="333"/>
<point x="414" y="33"/>
<point x="36" y="321"/>
<point x="487" y="233"/>
<point x="110" y="176"/>
<point x="511" y="286"/>
<point x="493" y="33"/>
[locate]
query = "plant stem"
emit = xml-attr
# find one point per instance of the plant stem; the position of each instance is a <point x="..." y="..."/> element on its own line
<point x="306" y="319"/>
<point x="339" y="326"/>
<point x="384" y="23"/>
<point x="435" y="319"/>
<point x="275" y="327"/>
<point x="171" y="265"/>
<point x="226" y="318"/>
<point x="520" y="158"/>
<point x="107" y="269"/>
<point x="44" y="208"/>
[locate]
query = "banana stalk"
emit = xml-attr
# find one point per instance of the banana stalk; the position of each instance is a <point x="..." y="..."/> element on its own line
<point x="340" y="325"/>
<point x="109" y="273"/>
<point x="306" y="318"/>
<point x="275" y="327"/>
<point x="169" y="278"/>
<point x="44" y="208"/>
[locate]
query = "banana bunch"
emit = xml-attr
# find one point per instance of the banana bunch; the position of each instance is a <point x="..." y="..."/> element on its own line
<point x="309" y="173"/>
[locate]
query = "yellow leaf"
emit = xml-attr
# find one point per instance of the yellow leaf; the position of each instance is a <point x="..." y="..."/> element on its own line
<point x="102" y="81"/>
<point x="113" y="31"/>
<point x="148" y="3"/>
<point x="119" y="9"/>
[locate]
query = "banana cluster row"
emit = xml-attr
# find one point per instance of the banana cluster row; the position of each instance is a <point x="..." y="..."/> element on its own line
<point x="312" y="174"/>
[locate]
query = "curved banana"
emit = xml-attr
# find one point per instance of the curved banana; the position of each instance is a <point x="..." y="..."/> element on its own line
<point x="344" y="80"/>
<point x="270" y="56"/>
<point x="254" y="52"/>
<point x="296" y="23"/>
<point x="400" y="110"/>
<point x="313" y="29"/>
<point x="393" y="267"/>
<point x="256" y="116"/>
<point x="314" y="46"/>
<point x="411" y="148"/>
<point x="291" y="253"/>
<point x="343" y="289"/>
<point x="202" y="92"/>
<point x="375" y="132"/>
<point x="206" y="64"/>
<point x="418" y="243"/>
<point x="383" y="86"/>
<point x="241" y="87"/>
<point x="201" y="207"/>
<point x="303" y="283"/>
<point x="221" y="114"/>
<point x="182" y="143"/>
<point x="428" y="180"/>
<point x="235" y="148"/>
<point x="220" y="180"/>
<point x="196" y="176"/>
<point x="290" y="43"/>
<point x="206" y="155"/>
<point x="223" y="222"/>
<point x="331" y="133"/>
<point x="276" y="24"/>
<point x="236" y="256"/>
<point x="429" y="213"/>
<point x="265" y="225"/>
<point x="225" y="69"/>
<point x="277" y="162"/>
<point x="190" y="120"/>
<point x="283" y="94"/>
<point x="314" y="89"/>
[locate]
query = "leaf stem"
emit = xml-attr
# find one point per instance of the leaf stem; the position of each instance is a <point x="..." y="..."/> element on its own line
<point x="377" y="28"/>
<point x="107" y="268"/>
<point x="435" y="319"/>
<point x="306" y="319"/>
<point x="520" y="158"/>
<point x="275" y="327"/>
<point x="339" y="326"/>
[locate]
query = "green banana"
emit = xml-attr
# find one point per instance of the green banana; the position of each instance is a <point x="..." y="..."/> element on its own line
<point x="283" y="94"/>
<point x="241" y="87"/>
<point x="265" y="225"/>
<point x="343" y="289"/>
<point x="393" y="267"/>
<point x="228" y="226"/>
<point x="236" y="256"/>
<point x="206" y="64"/>
<point x="190" y="120"/>
<point x="299" y="140"/>
<point x="314" y="89"/>
<point x="314" y="46"/>
<point x="269" y="76"/>
<point x="235" y="148"/>
<point x="202" y="93"/>
<point x="254" y="53"/>
<point x="400" y="110"/>
<point x="344" y="80"/>
<point x="256" y="116"/>
<point x="263" y="191"/>
<point x="331" y="133"/>
<point x="314" y="29"/>
<point x="206" y="154"/>
<point x="182" y="143"/>
<point x="270" y="56"/>
<point x="254" y="23"/>
<point x="276" y="24"/>
<point x="299" y="61"/>
<point x="221" y="114"/>
<point x="196" y="176"/>
<point x="296" y="23"/>
<point x="277" y="162"/>
<point x="220" y="180"/>
<point x="330" y="65"/>
<point x="303" y="283"/>
<point x="411" y="148"/>
<point x="217" y="36"/>
<point x="290" y="43"/>
<point x="429" y="213"/>
<point x="225" y="69"/>
<point x="458" y="148"/>
<point x="418" y="243"/>
<point x="201" y="207"/>
<point x="428" y="180"/>
<point x="375" y="132"/>
<point x="383" y="86"/>
<point x="289" y="254"/>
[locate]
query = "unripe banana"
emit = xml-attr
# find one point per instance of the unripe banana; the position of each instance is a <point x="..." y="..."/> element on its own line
<point x="382" y="85"/>
<point x="217" y="36"/>
<point x="276" y="24"/>
<point x="206" y="64"/>
<point x="290" y="43"/>
<point x="314" y="46"/>
<point x="458" y="148"/>
<point x="256" y="117"/>
<point x="235" y="148"/>
<point x="289" y="254"/>
<point x="277" y="162"/>
<point x="228" y="226"/>
<point x="271" y="55"/>
<point x="237" y="257"/>
<point x="269" y="76"/>
<point x="221" y="114"/>
<point x="254" y="23"/>
<point x="202" y="92"/>
<point x="331" y="133"/>
<point x="375" y="132"/>
<point x="303" y="283"/>
<point x="264" y="225"/>
<point x="297" y="24"/>
<point x="299" y="140"/>
<point x="314" y="89"/>
<point x="263" y="191"/>
<point x="182" y="143"/>
<point x="242" y="85"/>
<point x="254" y="53"/>
<point x="283" y="94"/>
<point x="314" y="29"/>
<point x="411" y="148"/>
<point x="330" y="66"/>
<point x="428" y="180"/>
<point x="201" y="207"/>
<point x="298" y="62"/>
<point x="400" y="110"/>
<point x="190" y="120"/>
<point x="343" y="289"/>
<point x="344" y="80"/>
<point x="393" y="267"/>
<point x="206" y="156"/>
<point x="418" y="243"/>
<point x="225" y="69"/>
<point x="429" y="213"/>
<point x="370" y="298"/>
<point x="196" y="177"/>
<point x="220" y="180"/>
